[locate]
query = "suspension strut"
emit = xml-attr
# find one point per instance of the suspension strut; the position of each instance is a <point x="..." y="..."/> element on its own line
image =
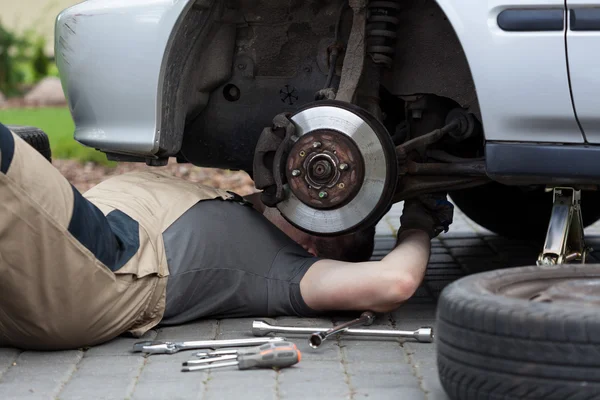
<point x="382" y="26"/>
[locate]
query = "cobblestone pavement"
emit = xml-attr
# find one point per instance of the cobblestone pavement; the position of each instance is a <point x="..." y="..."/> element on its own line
<point x="342" y="369"/>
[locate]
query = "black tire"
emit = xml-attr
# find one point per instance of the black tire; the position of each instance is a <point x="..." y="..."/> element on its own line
<point x="515" y="212"/>
<point x="491" y="346"/>
<point x="35" y="137"/>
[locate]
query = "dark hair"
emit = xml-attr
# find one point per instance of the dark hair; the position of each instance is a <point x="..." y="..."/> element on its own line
<point x="354" y="247"/>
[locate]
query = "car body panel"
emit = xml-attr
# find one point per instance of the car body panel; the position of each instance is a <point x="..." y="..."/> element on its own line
<point x="110" y="55"/>
<point x="115" y="78"/>
<point x="583" y="44"/>
<point x="521" y="77"/>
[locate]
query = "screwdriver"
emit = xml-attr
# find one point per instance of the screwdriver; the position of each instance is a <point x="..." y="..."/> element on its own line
<point x="270" y="355"/>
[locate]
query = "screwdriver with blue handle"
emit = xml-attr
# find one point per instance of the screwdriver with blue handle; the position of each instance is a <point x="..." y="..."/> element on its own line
<point x="271" y="355"/>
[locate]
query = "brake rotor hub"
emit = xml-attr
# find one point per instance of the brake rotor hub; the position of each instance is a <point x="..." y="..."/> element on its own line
<point x="341" y="172"/>
<point x="325" y="169"/>
<point x="583" y="291"/>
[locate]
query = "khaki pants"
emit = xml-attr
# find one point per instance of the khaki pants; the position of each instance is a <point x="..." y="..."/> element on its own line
<point x="54" y="291"/>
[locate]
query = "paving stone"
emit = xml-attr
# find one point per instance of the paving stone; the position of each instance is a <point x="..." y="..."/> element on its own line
<point x="202" y="330"/>
<point x="464" y="242"/>
<point x="409" y="316"/>
<point x="441" y="258"/>
<point x="111" y="377"/>
<point x="37" y="375"/>
<point x="385" y="350"/>
<point x="249" y="384"/>
<point x="7" y="357"/>
<point x="328" y="351"/>
<point x="326" y="379"/>
<point x="161" y="378"/>
<point x="453" y="271"/>
<point x="382" y="375"/>
<point x="472" y="251"/>
<point x="391" y="394"/>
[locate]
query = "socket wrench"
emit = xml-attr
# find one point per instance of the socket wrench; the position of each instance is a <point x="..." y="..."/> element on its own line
<point x="316" y="339"/>
<point x="423" y="335"/>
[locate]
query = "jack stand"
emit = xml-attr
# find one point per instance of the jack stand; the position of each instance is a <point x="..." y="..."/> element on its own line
<point x="564" y="240"/>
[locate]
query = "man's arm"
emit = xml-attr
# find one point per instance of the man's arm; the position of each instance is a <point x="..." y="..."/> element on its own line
<point x="380" y="286"/>
<point x="384" y="285"/>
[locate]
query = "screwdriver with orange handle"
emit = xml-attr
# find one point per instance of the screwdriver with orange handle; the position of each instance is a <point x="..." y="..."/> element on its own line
<point x="270" y="355"/>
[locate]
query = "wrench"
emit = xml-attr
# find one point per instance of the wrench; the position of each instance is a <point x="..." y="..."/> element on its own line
<point x="158" y="347"/>
<point x="423" y="335"/>
<point x="316" y="339"/>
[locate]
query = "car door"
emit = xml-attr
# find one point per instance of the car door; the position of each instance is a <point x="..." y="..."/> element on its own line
<point x="583" y="52"/>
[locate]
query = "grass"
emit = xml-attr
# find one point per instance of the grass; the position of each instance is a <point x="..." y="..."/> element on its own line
<point x="59" y="126"/>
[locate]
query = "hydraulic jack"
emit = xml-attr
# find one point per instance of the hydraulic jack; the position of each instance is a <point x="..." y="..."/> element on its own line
<point x="564" y="240"/>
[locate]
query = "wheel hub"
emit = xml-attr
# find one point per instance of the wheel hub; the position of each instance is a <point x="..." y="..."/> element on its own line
<point x="341" y="171"/>
<point x="325" y="169"/>
<point x="584" y="291"/>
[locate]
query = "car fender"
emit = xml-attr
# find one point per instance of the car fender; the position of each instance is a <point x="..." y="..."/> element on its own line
<point x="521" y="78"/>
<point x="121" y="66"/>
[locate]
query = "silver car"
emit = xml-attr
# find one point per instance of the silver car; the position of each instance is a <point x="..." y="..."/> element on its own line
<point x="338" y="109"/>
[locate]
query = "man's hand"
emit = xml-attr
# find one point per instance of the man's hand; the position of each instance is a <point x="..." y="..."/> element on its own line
<point x="431" y="213"/>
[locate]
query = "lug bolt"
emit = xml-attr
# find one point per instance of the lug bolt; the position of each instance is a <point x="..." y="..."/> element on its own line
<point x="343" y="167"/>
<point x="296" y="172"/>
<point x="341" y="185"/>
<point x="316" y="145"/>
<point x="323" y="195"/>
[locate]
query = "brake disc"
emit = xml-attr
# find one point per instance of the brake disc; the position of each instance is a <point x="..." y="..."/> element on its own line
<point x="341" y="171"/>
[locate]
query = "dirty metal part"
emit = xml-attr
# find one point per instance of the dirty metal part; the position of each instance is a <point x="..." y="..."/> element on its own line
<point x="316" y="339"/>
<point x="441" y="155"/>
<point x="382" y="27"/>
<point x="582" y="291"/>
<point x="473" y="168"/>
<point x="368" y="94"/>
<point x="422" y="142"/>
<point x="209" y="360"/>
<point x="565" y="238"/>
<point x="423" y="334"/>
<point x="366" y="137"/>
<point x="160" y="347"/>
<point x="314" y="169"/>
<point x="216" y="353"/>
<point x="354" y="59"/>
<point x="467" y="124"/>
<point x="271" y="150"/>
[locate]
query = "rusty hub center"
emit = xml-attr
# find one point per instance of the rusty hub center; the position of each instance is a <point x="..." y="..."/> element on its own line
<point x="325" y="169"/>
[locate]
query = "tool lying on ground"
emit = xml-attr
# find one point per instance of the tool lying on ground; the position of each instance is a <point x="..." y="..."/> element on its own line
<point x="217" y="353"/>
<point x="316" y="339"/>
<point x="158" y="347"/>
<point x="423" y="335"/>
<point x="270" y="355"/>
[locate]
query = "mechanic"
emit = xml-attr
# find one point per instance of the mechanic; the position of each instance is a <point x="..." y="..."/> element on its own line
<point x="144" y="249"/>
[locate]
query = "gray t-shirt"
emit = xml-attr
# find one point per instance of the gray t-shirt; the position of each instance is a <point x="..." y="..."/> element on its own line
<point x="226" y="260"/>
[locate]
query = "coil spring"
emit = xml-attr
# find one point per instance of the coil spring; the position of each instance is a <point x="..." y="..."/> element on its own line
<point x="382" y="26"/>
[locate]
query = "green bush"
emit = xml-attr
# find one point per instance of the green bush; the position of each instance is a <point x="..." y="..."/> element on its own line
<point x="22" y="60"/>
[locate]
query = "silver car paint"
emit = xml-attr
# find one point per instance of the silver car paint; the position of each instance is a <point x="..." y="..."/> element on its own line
<point x="110" y="55"/>
<point x="584" y="64"/>
<point x="521" y="77"/>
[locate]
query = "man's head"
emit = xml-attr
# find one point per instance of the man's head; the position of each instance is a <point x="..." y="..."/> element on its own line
<point x="355" y="247"/>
